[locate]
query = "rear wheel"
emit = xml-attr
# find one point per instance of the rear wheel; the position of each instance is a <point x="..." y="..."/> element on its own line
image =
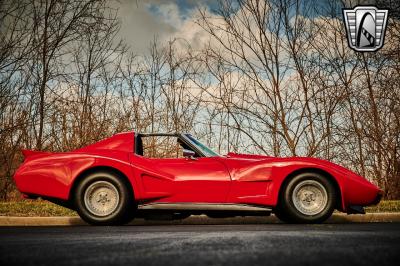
<point x="306" y="198"/>
<point x="103" y="198"/>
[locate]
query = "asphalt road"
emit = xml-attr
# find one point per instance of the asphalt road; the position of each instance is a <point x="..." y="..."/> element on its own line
<point x="268" y="244"/>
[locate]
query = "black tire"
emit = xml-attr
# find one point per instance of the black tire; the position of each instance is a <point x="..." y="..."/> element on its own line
<point x="300" y="208"/>
<point x="121" y="209"/>
<point x="281" y="215"/>
<point x="181" y="216"/>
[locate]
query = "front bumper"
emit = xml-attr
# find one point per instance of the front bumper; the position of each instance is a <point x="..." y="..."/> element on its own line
<point x="377" y="198"/>
<point x="358" y="209"/>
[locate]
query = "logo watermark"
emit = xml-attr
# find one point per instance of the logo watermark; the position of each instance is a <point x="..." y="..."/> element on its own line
<point x="365" y="26"/>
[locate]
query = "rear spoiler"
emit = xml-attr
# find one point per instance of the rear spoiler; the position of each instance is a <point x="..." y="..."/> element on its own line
<point x="29" y="153"/>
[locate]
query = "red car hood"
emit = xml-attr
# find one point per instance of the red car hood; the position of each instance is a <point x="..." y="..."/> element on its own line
<point x="249" y="160"/>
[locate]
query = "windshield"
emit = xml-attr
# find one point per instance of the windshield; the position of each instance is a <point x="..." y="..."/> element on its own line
<point x="206" y="150"/>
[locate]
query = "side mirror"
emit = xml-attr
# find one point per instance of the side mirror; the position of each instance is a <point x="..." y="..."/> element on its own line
<point x="189" y="154"/>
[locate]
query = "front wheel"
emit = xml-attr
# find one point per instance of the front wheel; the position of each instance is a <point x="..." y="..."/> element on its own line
<point x="307" y="198"/>
<point x="103" y="198"/>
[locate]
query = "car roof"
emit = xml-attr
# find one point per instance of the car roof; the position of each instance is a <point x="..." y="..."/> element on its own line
<point x="160" y="134"/>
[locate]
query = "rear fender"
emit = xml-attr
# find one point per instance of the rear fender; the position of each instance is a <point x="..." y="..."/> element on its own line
<point x="121" y="166"/>
<point x="54" y="175"/>
<point x="50" y="176"/>
<point x="29" y="154"/>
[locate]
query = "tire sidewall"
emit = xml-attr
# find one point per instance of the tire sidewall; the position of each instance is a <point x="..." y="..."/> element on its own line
<point x="118" y="214"/>
<point x="294" y="214"/>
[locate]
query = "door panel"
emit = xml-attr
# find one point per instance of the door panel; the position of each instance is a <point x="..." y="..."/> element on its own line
<point x="204" y="179"/>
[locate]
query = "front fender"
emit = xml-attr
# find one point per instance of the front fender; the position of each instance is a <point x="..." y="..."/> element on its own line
<point x="354" y="189"/>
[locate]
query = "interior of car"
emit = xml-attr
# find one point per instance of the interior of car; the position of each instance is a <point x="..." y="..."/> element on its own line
<point x="161" y="146"/>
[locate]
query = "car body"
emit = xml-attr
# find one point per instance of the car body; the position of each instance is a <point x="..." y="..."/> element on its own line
<point x="200" y="182"/>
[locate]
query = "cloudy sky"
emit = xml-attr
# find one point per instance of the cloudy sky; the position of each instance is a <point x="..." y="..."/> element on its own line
<point x="143" y="20"/>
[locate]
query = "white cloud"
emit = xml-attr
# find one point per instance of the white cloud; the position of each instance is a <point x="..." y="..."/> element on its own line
<point x="139" y="26"/>
<point x="164" y="20"/>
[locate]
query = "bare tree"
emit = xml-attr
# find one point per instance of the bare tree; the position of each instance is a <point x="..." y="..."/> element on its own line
<point x="276" y="77"/>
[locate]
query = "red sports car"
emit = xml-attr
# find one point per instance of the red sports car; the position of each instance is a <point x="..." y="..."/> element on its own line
<point x="174" y="175"/>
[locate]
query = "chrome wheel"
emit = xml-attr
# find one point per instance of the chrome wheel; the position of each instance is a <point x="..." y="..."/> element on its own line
<point x="310" y="197"/>
<point x="101" y="198"/>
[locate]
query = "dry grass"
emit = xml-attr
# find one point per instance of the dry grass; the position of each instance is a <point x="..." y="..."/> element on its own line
<point x="33" y="208"/>
<point x="45" y="208"/>
<point x="385" y="206"/>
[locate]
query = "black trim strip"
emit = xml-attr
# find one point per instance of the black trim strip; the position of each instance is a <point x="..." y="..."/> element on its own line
<point x="203" y="207"/>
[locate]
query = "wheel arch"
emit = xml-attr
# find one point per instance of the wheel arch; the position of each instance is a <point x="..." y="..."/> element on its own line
<point x="329" y="176"/>
<point x="100" y="168"/>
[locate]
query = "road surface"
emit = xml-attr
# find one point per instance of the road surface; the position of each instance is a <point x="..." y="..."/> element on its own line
<point x="263" y="244"/>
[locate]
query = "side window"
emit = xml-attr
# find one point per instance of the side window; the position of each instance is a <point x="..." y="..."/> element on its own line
<point x="162" y="147"/>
